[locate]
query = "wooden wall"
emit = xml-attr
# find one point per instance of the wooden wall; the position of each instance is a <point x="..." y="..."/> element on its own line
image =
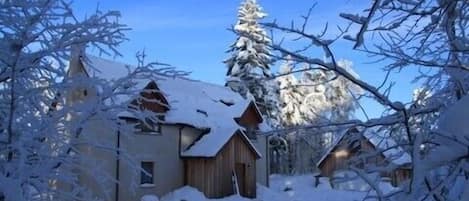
<point x="212" y="176"/>
<point x="328" y="166"/>
<point x="400" y="175"/>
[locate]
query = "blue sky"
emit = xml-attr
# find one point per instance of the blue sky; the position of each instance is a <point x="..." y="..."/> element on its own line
<point x="192" y="35"/>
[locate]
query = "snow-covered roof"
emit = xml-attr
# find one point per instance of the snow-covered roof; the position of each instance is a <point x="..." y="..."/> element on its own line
<point x="334" y="144"/>
<point x="208" y="146"/>
<point x="199" y="104"/>
<point x="381" y="140"/>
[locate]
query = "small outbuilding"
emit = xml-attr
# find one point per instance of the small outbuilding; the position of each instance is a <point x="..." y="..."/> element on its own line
<point x="234" y="163"/>
<point x="374" y="149"/>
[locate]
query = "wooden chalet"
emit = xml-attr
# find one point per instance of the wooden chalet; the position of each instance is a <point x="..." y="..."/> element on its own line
<point x="373" y="150"/>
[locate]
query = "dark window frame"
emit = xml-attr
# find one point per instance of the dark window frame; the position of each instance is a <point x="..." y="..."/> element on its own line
<point x="149" y="167"/>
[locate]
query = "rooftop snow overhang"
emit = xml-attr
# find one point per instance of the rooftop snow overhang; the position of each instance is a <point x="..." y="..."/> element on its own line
<point x="200" y="152"/>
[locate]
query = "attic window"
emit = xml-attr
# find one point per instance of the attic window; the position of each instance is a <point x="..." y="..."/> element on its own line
<point x="147" y="127"/>
<point x="226" y="102"/>
<point x="202" y="112"/>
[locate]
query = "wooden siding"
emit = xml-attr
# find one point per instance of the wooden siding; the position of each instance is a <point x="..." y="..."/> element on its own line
<point x="400" y="175"/>
<point x="213" y="177"/>
<point x="327" y="166"/>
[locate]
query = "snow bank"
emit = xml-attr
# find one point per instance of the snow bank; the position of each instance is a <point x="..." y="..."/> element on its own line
<point x="188" y="193"/>
<point x="282" y="188"/>
<point x="185" y="193"/>
<point x="149" y="198"/>
<point x="349" y="181"/>
<point x="302" y="188"/>
<point x="267" y="194"/>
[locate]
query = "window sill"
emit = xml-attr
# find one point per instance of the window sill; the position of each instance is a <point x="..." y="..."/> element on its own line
<point x="148" y="133"/>
<point x="147" y="185"/>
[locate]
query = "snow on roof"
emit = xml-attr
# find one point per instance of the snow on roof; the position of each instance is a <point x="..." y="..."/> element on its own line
<point x="211" y="143"/>
<point x="105" y="69"/>
<point x="382" y="141"/>
<point x="199" y="104"/>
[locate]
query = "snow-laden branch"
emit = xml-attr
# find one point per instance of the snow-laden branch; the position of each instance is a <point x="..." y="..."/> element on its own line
<point x="42" y="131"/>
<point x="429" y="35"/>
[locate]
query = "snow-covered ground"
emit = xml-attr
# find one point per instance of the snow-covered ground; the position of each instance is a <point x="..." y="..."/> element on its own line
<point x="301" y="188"/>
<point x="188" y="193"/>
<point x="282" y="188"/>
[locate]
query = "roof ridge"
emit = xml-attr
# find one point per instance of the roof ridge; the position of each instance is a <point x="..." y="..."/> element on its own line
<point x="183" y="78"/>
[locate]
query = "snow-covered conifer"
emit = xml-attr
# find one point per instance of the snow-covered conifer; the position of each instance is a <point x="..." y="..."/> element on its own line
<point x="250" y="53"/>
<point x="291" y="96"/>
<point x="249" y="61"/>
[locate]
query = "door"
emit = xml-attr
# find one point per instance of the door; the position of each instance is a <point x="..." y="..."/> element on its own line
<point x="240" y="169"/>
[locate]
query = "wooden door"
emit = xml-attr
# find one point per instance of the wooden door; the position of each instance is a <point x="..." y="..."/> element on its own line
<point x="240" y="169"/>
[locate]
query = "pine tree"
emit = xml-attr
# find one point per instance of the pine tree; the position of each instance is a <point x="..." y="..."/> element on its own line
<point x="250" y="52"/>
<point x="290" y="96"/>
<point x="249" y="62"/>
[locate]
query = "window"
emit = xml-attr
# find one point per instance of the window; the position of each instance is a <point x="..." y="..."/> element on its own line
<point x="146" y="175"/>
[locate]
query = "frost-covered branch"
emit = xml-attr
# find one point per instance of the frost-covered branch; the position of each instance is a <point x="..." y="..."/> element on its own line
<point x="429" y="35"/>
<point x="41" y="129"/>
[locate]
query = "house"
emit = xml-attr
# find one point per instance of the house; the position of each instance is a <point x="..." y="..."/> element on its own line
<point x="206" y="137"/>
<point x="374" y="148"/>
